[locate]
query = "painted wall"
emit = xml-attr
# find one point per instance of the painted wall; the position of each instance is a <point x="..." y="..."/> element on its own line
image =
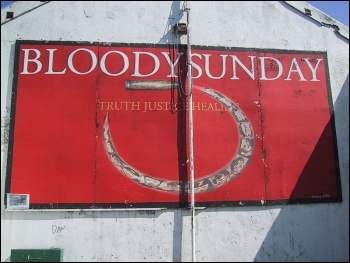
<point x="308" y="232"/>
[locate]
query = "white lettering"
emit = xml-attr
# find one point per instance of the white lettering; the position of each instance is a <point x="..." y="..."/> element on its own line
<point x="35" y="60"/>
<point x="93" y="64"/>
<point x="198" y="68"/>
<point x="295" y="63"/>
<point x="137" y="64"/>
<point x="50" y="66"/>
<point x="207" y="64"/>
<point x="263" y="72"/>
<point x="116" y="63"/>
<point x="172" y="66"/>
<point x="249" y="72"/>
<point x="313" y="70"/>
<point x="103" y="63"/>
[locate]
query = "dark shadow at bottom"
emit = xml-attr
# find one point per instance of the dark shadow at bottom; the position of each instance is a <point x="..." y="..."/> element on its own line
<point x="305" y="232"/>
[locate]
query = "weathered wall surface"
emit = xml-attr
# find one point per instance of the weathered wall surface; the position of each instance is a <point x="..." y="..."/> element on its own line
<point x="308" y="232"/>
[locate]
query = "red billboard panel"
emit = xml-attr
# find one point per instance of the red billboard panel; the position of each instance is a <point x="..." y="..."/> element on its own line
<point x="107" y="126"/>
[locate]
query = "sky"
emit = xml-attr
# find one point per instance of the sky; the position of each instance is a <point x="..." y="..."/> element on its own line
<point x="338" y="10"/>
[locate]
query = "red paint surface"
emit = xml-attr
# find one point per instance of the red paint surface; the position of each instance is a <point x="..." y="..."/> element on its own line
<point x="59" y="157"/>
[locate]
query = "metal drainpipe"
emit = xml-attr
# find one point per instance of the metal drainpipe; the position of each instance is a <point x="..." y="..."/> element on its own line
<point x="190" y="119"/>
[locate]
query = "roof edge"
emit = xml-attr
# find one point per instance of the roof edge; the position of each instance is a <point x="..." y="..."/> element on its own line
<point x="19" y="8"/>
<point x="321" y="17"/>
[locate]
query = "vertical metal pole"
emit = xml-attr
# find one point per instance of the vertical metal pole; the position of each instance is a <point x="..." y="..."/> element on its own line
<point x="190" y="124"/>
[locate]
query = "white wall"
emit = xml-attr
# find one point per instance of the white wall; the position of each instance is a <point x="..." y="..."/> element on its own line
<point x="308" y="232"/>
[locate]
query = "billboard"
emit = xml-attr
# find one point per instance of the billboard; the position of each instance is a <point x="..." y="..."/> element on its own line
<point x="105" y="125"/>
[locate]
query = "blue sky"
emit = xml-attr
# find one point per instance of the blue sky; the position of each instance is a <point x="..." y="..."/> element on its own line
<point x="339" y="10"/>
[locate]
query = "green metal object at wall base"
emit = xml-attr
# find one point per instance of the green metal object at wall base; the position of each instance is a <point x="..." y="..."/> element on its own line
<point x="36" y="255"/>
